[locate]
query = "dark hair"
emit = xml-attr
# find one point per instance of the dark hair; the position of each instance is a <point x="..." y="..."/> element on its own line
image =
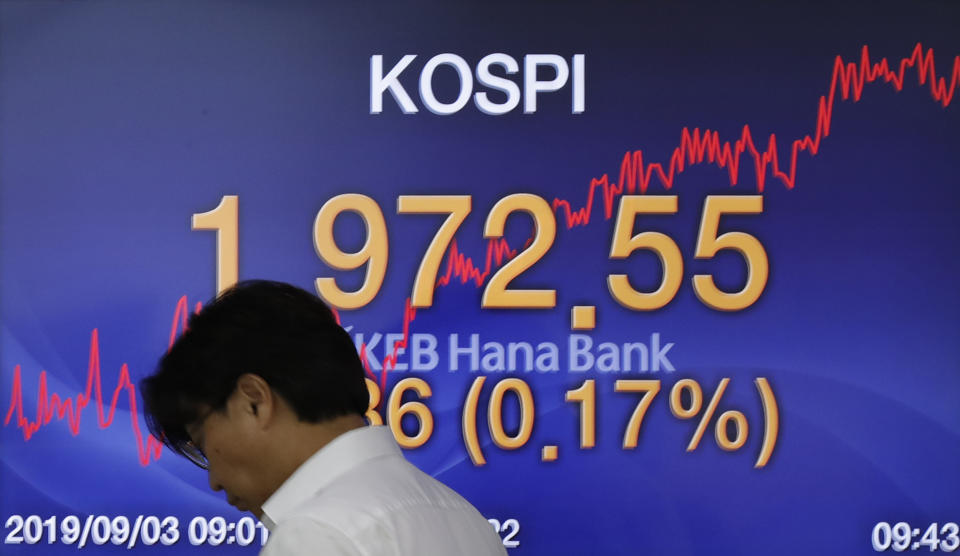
<point x="279" y="332"/>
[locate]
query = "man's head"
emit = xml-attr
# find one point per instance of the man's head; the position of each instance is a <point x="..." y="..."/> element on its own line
<point x="262" y="377"/>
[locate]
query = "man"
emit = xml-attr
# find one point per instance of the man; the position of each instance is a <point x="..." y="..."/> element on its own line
<point x="265" y="390"/>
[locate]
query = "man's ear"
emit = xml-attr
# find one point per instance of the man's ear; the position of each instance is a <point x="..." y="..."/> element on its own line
<point x="254" y="396"/>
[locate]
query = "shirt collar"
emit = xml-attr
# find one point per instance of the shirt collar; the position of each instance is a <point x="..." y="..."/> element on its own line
<point x="342" y="454"/>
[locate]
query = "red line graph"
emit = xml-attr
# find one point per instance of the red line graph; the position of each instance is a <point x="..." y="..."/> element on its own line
<point x="72" y="408"/>
<point x="695" y="147"/>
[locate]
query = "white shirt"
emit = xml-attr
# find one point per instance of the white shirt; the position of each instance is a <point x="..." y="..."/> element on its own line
<point x="359" y="496"/>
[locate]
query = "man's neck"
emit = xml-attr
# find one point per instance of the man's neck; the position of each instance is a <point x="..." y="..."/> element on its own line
<point x="305" y="439"/>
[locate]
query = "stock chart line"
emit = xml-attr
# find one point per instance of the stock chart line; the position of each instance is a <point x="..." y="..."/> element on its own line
<point x="695" y="147"/>
<point x="72" y="408"/>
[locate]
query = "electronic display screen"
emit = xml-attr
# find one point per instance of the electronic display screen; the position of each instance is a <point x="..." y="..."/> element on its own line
<point x="633" y="278"/>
